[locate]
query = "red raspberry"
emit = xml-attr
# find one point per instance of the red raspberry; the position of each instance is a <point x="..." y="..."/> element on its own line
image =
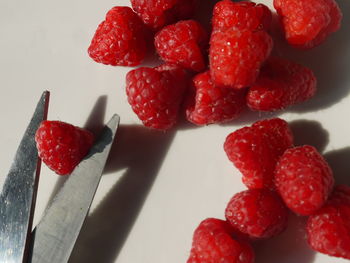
<point x="281" y="83"/>
<point x="328" y="229"/>
<point x="62" y="146"/>
<point x="242" y="16"/>
<point x="212" y="104"/>
<point x="213" y="243"/>
<point x="155" y="94"/>
<point x="236" y="56"/>
<point x="303" y="179"/>
<point x="158" y="13"/>
<point x="260" y="213"/>
<point x="120" y="40"/>
<point x="255" y="150"/>
<point x="307" y="23"/>
<point x="184" y="44"/>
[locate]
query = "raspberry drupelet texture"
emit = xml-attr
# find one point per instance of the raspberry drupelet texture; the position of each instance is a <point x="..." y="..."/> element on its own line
<point x="62" y="146"/>
<point x="158" y="13"/>
<point x="241" y="15"/>
<point x="307" y="23"/>
<point x="155" y="94"/>
<point x="120" y="40"/>
<point x="184" y="44"/>
<point x="255" y="150"/>
<point x="303" y="179"/>
<point x="208" y="103"/>
<point x="213" y="243"/>
<point x="259" y="213"/>
<point x="281" y="83"/>
<point x="328" y="230"/>
<point x="236" y="56"/>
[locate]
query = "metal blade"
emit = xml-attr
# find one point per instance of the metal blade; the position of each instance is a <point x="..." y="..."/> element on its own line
<point x="17" y="199"/>
<point x="59" y="228"/>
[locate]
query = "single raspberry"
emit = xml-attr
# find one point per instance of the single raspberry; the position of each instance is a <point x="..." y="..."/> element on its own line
<point x="62" y="146"/>
<point x="158" y="13"/>
<point x="184" y="44"/>
<point x="155" y="94"/>
<point x="328" y="229"/>
<point x="236" y="56"/>
<point x="208" y="103"/>
<point x="281" y="83"/>
<point x="308" y="23"/>
<point x="303" y="179"/>
<point x="120" y="40"/>
<point x="255" y="150"/>
<point x="241" y="15"/>
<point x="259" y="213"/>
<point x="213" y="243"/>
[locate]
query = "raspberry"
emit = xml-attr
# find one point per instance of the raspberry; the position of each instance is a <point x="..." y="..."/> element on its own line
<point x="155" y="94"/>
<point x="158" y="13"/>
<point x="307" y="23"/>
<point x="260" y="213"/>
<point x="183" y="43"/>
<point x="242" y="16"/>
<point x="281" y="83"/>
<point x="120" y="40"/>
<point x="328" y="229"/>
<point x="213" y="243"/>
<point x="212" y="104"/>
<point x="255" y="150"/>
<point x="303" y="179"/>
<point x="236" y="56"/>
<point x="62" y="146"/>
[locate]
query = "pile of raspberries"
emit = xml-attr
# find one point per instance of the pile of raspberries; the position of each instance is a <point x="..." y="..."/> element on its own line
<point x="211" y="77"/>
<point x="280" y="177"/>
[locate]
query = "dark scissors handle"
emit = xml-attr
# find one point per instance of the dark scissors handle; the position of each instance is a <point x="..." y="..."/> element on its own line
<point x="18" y="195"/>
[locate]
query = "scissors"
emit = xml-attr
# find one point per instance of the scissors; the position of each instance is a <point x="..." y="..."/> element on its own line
<point x="53" y="239"/>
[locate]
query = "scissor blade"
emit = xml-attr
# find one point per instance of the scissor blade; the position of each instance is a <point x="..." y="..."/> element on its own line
<point x="56" y="234"/>
<point x="17" y="199"/>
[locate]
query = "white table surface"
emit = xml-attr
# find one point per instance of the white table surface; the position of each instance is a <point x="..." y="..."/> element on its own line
<point x="157" y="186"/>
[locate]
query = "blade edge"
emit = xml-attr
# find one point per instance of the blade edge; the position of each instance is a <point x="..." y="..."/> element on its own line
<point x="18" y="195"/>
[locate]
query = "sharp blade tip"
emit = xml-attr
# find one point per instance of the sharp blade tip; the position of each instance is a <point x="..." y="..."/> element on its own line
<point x="45" y="94"/>
<point x="114" y="121"/>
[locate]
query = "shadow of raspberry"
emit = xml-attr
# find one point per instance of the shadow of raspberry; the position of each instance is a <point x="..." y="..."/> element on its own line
<point x="309" y="132"/>
<point x="204" y="13"/>
<point x="289" y="247"/>
<point x="140" y="152"/>
<point x="339" y="160"/>
<point x="329" y="61"/>
<point x="151" y="60"/>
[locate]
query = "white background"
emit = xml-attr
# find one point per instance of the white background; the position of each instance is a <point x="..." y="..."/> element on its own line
<point x="157" y="186"/>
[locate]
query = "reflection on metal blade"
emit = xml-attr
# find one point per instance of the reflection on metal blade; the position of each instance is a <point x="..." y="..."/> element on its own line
<point x="17" y="199"/>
